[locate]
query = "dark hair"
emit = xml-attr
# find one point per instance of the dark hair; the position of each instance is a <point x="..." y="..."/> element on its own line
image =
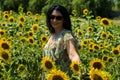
<point x="64" y="12"/>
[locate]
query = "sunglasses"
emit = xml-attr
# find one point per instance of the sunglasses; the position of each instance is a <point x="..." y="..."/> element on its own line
<point x="56" y="17"/>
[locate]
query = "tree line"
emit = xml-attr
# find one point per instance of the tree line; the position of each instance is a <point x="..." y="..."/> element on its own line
<point x="103" y="8"/>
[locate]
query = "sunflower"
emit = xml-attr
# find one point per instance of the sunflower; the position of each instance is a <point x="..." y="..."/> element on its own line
<point x="118" y="47"/>
<point x="79" y="32"/>
<point x="29" y="13"/>
<point x="80" y="46"/>
<point x="5" y="45"/>
<point x="115" y="51"/>
<point x="110" y="59"/>
<point x="85" y="42"/>
<point x="90" y="50"/>
<point x="43" y="38"/>
<point x="98" y="18"/>
<point x="101" y="45"/>
<point x="2" y="32"/>
<point x="6" y="31"/>
<point x="21" y="68"/>
<point x="106" y="44"/>
<point x="96" y="74"/>
<point x="5" y="55"/>
<point x="96" y="64"/>
<point x="96" y="47"/>
<point x="75" y="67"/>
<point x="57" y="75"/>
<point x="89" y="29"/>
<point x="21" y="18"/>
<point x="11" y="19"/>
<point x="3" y="24"/>
<point x="36" y="17"/>
<point x="6" y="16"/>
<point x="35" y="27"/>
<point x="85" y="11"/>
<point x="105" y="22"/>
<point x="11" y="12"/>
<point x="104" y="35"/>
<point x="105" y="58"/>
<point x="3" y="39"/>
<point x="23" y="39"/>
<point x="105" y="51"/>
<point x="30" y="33"/>
<point x="48" y="64"/>
<point x="110" y="36"/>
<point x="5" y="12"/>
<point x="20" y="24"/>
<point x="91" y="44"/>
<point x="90" y="40"/>
<point x="20" y="34"/>
<point x="30" y="39"/>
<point x="43" y="45"/>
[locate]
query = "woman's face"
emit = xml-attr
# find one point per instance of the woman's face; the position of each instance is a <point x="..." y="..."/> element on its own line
<point x="56" y="19"/>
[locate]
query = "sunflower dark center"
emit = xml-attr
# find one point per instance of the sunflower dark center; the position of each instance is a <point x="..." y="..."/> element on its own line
<point x="31" y="40"/>
<point x="105" y="22"/>
<point x="48" y="64"/>
<point x="76" y="67"/>
<point x="6" y="16"/>
<point x="44" y="39"/>
<point x="5" y="46"/>
<point x="105" y="58"/>
<point x="31" y="34"/>
<point x="5" y="56"/>
<point x="11" y="20"/>
<point x="3" y="24"/>
<point x="97" y="77"/>
<point x="91" y="50"/>
<point x="35" y="27"/>
<point x="80" y="33"/>
<point x="90" y="29"/>
<point x="22" y="19"/>
<point x="105" y="51"/>
<point x="20" y="25"/>
<point x="1" y="32"/>
<point x="104" y="35"/>
<point x="116" y="52"/>
<point x="110" y="60"/>
<point x="96" y="47"/>
<point x="57" y="77"/>
<point x="85" y="42"/>
<point x="97" y="65"/>
<point x="21" y="68"/>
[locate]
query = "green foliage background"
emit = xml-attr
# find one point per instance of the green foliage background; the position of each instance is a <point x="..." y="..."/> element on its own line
<point x="39" y="6"/>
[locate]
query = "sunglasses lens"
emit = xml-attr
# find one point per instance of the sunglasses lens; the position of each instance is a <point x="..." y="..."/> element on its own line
<point x="57" y="17"/>
<point x="52" y="17"/>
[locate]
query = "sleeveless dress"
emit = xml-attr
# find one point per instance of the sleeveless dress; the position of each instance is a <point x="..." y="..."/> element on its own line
<point x="57" y="50"/>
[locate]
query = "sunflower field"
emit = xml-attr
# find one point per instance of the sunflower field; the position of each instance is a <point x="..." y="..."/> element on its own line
<point x="23" y="36"/>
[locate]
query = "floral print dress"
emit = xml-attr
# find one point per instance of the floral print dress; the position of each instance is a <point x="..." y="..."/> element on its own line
<point x="57" y="50"/>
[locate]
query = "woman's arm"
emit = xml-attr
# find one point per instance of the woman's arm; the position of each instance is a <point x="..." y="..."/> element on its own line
<point x="73" y="54"/>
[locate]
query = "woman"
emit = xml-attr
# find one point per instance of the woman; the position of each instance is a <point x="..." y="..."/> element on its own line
<point x="61" y="46"/>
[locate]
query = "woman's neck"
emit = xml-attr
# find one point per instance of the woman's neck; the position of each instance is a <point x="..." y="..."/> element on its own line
<point x="57" y="31"/>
